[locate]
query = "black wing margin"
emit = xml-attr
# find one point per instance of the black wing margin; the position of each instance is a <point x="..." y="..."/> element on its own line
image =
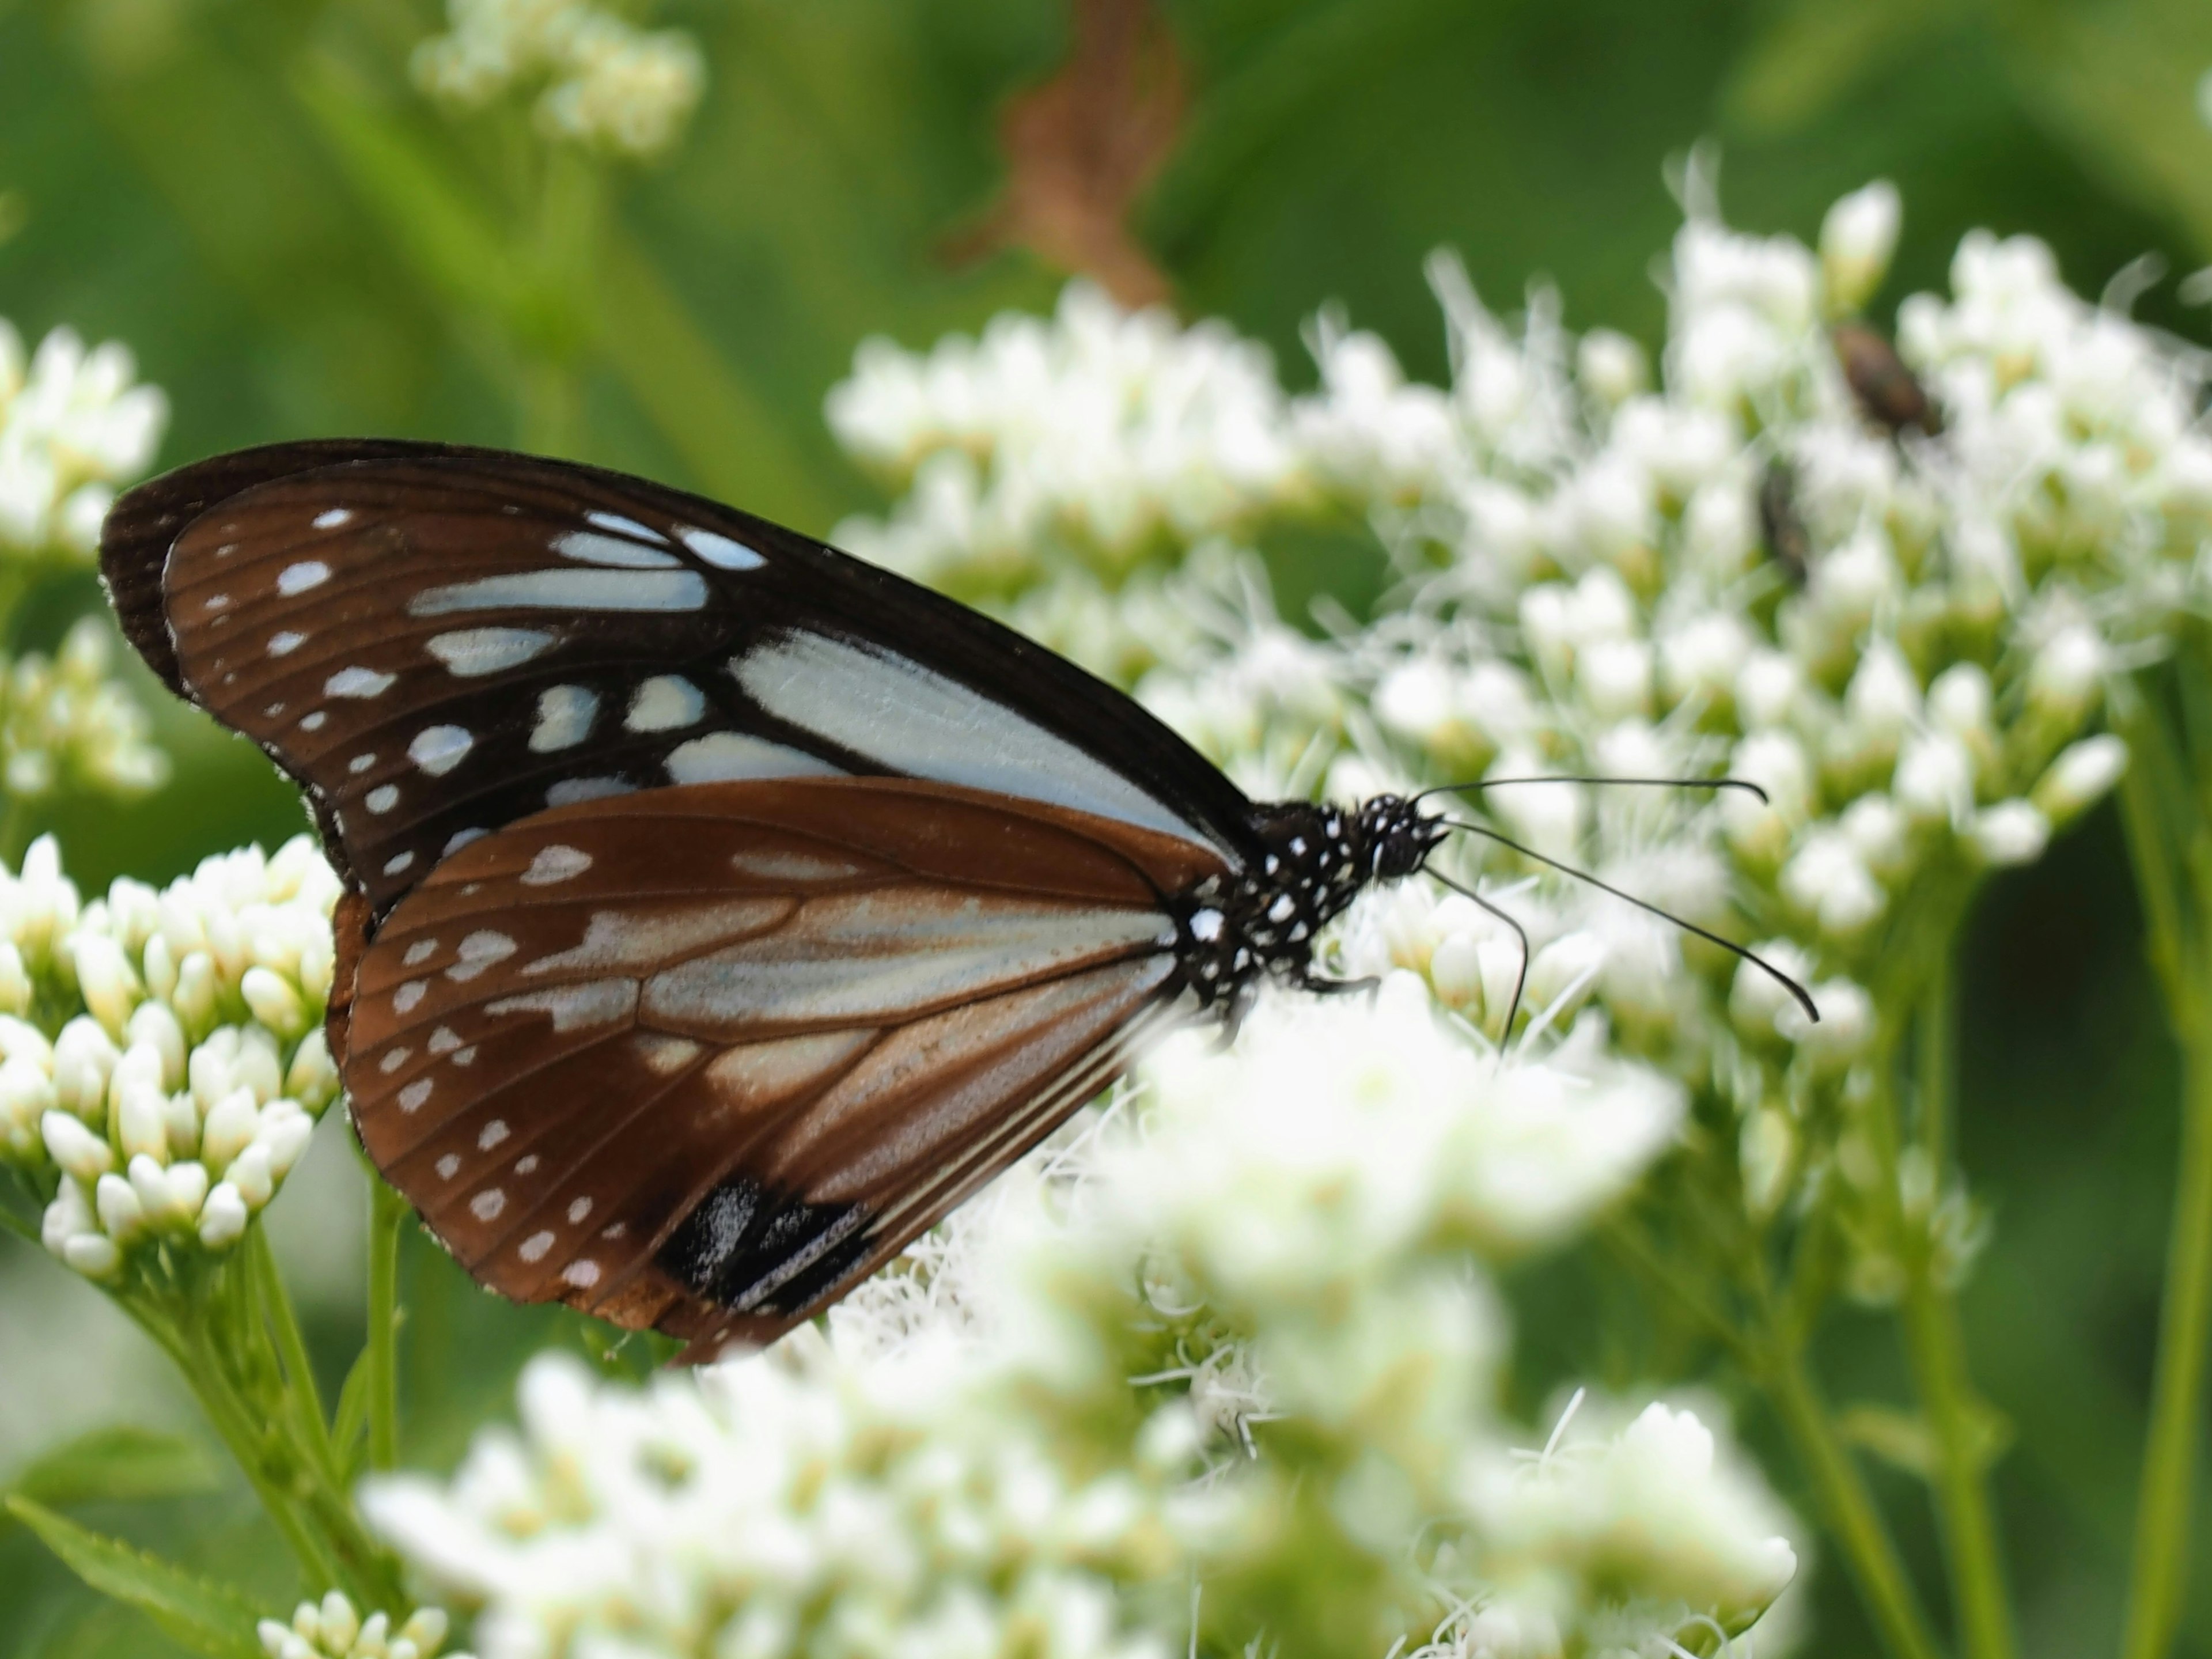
<point x="313" y="595"/>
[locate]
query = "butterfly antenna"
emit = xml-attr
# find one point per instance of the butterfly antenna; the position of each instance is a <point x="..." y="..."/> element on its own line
<point x="1744" y="784"/>
<point x="1520" y="981"/>
<point x="1804" y="998"/>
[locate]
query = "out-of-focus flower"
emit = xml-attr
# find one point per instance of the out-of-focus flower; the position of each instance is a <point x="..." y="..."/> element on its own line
<point x="331" y="1629"/>
<point x="73" y="426"/>
<point x="603" y="82"/>
<point x="64" y="723"/>
<point x="161" y="1057"/>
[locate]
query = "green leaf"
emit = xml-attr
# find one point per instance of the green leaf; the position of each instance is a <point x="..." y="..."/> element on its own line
<point x="208" y="1618"/>
<point x="121" y="1464"/>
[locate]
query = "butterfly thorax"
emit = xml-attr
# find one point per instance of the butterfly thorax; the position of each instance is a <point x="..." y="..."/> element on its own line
<point x="1315" y="859"/>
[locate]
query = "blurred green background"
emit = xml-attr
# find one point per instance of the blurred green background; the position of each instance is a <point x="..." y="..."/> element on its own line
<point x="252" y="194"/>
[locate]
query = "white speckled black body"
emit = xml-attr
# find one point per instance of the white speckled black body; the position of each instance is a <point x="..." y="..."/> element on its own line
<point x="1231" y="933"/>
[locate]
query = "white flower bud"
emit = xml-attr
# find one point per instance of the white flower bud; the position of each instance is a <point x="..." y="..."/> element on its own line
<point x="1757" y="999"/>
<point x="142" y="1118"/>
<point x="1828" y="880"/>
<point x="153" y="1025"/>
<point x="1877" y="831"/>
<point x="427" y="1628"/>
<point x="274" y="1001"/>
<point x="1765" y="1153"/>
<point x="312" y="1079"/>
<point x="1777" y="763"/>
<point x="1857" y="239"/>
<point x="285" y="1131"/>
<point x="1614" y="676"/>
<point x="1846" y="1028"/>
<point x="84" y="1059"/>
<point x="122" y="1216"/>
<point x="1935" y="779"/>
<point x="230" y="1128"/>
<point x="78" y="1150"/>
<point x="252" y="1176"/>
<point x="1959" y="701"/>
<point x="2011" y="832"/>
<point x="2080" y="776"/>
<point x="14" y="980"/>
<point x="1611" y="367"/>
<point x="1767" y="689"/>
<point x="92" y="1254"/>
<point x="340" y="1623"/>
<point x="1563" y="976"/>
<point x="1705" y="656"/>
<point x="1455" y="971"/>
<point x="150" y="1180"/>
<point x="160" y="966"/>
<point x="2066" y="676"/>
<point x="199" y="988"/>
<point x="1883" y="697"/>
<point x="111" y="990"/>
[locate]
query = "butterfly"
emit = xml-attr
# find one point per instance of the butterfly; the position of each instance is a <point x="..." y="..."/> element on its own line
<point x="720" y="911"/>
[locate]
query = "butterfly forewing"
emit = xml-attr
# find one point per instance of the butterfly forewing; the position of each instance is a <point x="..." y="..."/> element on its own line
<point x="441" y="642"/>
<point x="701" y="1056"/>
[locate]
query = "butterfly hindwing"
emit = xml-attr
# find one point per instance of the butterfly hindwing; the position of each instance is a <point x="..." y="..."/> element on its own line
<point x="699" y="1057"/>
<point x="439" y="642"/>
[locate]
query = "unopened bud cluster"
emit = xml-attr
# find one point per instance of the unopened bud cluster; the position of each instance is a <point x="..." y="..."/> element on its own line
<point x="64" y="723"/>
<point x="603" y="81"/>
<point x="73" y="424"/>
<point x="162" y="1055"/>
<point x="332" y="1629"/>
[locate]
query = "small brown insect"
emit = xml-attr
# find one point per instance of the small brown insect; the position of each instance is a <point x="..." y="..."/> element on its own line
<point x="1789" y="543"/>
<point x="1888" y="392"/>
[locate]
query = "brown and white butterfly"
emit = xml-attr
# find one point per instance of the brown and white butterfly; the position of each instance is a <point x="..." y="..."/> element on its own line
<point x="722" y="911"/>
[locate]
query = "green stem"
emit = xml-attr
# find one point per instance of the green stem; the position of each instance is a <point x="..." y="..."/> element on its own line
<point x="2160" y="1573"/>
<point x="1937" y="1349"/>
<point x="1855" y="1522"/>
<point x="387" y="1211"/>
<point x="2165" y="810"/>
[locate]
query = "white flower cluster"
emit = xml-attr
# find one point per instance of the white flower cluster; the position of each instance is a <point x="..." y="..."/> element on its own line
<point x="1888" y="588"/>
<point x="605" y="83"/>
<point x="1233" y="1338"/>
<point x="72" y="427"/>
<point x="63" y="723"/>
<point x="332" y="1629"/>
<point x="162" y="1055"/>
<point x="1086" y="441"/>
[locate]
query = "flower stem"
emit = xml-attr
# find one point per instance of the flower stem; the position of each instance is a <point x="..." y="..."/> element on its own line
<point x="1857" y="1523"/>
<point x="1937" y="1351"/>
<point x="387" y="1211"/>
<point x="2163" y="805"/>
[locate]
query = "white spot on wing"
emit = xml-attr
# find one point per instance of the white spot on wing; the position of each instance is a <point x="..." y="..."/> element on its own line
<point x="360" y="763"/>
<point x="576" y="1007"/>
<point x="590" y="548"/>
<point x="567" y="590"/>
<point x="526" y="1165"/>
<point x="461" y="838"/>
<point x="295" y="579"/>
<point x="418" y="953"/>
<point x="555" y="864"/>
<point x="469" y="653"/>
<point x="663" y="703"/>
<point x="283" y="644"/>
<point x="448" y="1166"/>
<point x="397" y="863"/>
<point x="358" y="683"/>
<point x="383" y="798"/>
<point x="487" y="1204"/>
<point x="582" y="1274"/>
<point x="393" y="1060"/>
<point x="533" y="1248"/>
<point x="412" y="1096"/>
<point x="916" y="720"/>
<point x="478" y="952"/>
<point x="442" y="1041"/>
<point x="404" y="999"/>
<point x="720" y="550"/>
<point x="494" y="1132"/>
<point x="623" y="526"/>
<point x="438" y="749"/>
<point x="312" y="722"/>
<point x="564" y="718"/>
<point x="332" y="517"/>
<point x="615" y="940"/>
<point x="570" y="791"/>
<point x="721" y="757"/>
<point x="580" y="1211"/>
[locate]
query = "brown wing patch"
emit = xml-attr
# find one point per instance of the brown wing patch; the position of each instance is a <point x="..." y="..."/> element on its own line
<point x="811" y="1015"/>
